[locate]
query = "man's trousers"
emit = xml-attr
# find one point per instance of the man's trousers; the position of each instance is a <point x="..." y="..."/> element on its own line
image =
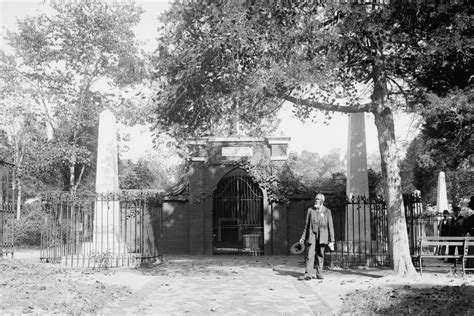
<point x="314" y="251"/>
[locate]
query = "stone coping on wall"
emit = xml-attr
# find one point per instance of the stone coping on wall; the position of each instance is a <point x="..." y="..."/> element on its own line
<point x="269" y="139"/>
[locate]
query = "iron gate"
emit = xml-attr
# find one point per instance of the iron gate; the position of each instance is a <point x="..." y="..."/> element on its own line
<point x="238" y="215"/>
<point x="96" y="230"/>
<point x="7" y="209"/>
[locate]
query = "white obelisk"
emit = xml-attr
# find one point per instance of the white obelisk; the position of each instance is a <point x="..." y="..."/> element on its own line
<point x="357" y="220"/>
<point x="442" y="196"/>
<point x="107" y="161"/>
<point x="107" y="216"/>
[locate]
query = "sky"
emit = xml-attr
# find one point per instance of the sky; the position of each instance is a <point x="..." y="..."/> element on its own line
<point x="313" y="137"/>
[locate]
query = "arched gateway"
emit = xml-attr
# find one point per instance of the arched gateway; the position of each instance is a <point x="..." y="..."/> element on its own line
<point x="237" y="205"/>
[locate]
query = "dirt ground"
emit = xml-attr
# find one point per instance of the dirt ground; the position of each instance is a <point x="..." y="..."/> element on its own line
<point x="27" y="286"/>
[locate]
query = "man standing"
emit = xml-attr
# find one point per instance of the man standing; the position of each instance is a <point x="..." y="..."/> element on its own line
<point x="457" y="229"/>
<point x="444" y="228"/>
<point x="318" y="232"/>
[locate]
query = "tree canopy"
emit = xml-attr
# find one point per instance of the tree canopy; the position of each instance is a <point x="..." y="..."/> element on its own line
<point x="446" y="143"/>
<point x="67" y="67"/>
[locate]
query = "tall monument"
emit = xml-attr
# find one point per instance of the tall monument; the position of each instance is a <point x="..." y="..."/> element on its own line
<point x="357" y="176"/>
<point x="441" y="196"/>
<point x="357" y="219"/>
<point x="107" y="225"/>
<point x="107" y="160"/>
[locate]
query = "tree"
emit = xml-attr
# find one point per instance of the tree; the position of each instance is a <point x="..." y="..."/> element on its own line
<point x="446" y="144"/>
<point x="20" y="125"/>
<point x="70" y="62"/>
<point x="145" y="174"/>
<point x="257" y="55"/>
<point x="311" y="168"/>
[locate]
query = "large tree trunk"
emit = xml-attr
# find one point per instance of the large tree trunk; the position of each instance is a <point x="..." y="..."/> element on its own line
<point x="397" y="228"/>
<point x="399" y="249"/>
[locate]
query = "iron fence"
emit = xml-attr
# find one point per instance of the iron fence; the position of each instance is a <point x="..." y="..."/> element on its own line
<point x="7" y="209"/>
<point x="96" y="230"/>
<point x="417" y="224"/>
<point x="361" y="233"/>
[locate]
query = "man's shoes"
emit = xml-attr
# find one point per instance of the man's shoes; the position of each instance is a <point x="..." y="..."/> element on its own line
<point x="304" y="278"/>
<point x="319" y="277"/>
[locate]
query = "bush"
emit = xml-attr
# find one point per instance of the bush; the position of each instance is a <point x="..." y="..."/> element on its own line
<point x="28" y="227"/>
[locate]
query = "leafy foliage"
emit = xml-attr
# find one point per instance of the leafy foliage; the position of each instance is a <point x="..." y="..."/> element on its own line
<point x="445" y="144"/>
<point x="61" y="64"/>
<point x="311" y="168"/>
<point x="283" y="180"/>
<point x="29" y="227"/>
<point x="145" y="174"/>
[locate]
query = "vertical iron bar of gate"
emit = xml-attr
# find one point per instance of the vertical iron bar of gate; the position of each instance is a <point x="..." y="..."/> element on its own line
<point x="366" y="204"/>
<point x="73" y="232"/>
<point x="385" y="222"/>
<point x="346" y="231"/>
<point x="59" y="238"/>
<point x="119" y="256"/>
<point x="353" y="235"/>
<point x="135" y="230"/>
<point x="372" y="228"/>
<point x="378" y="216"/>
<point x="123" y="227"/>
<point x="65" y="228"/>
<point x="95" y="225"/>
<point x="356" y="251"/>
<point x="64" y="232"/>
<point x="125" y="224"/>
<point x="412" y="229"/>
<point x="122" y="209"/>
<point x="70" y="231"/>
<point x="12" y="216"/>
<point x="142" y="230"/>
<point x="100" y="230"/>
<point x="380" y="228"/>
<point x="51" y="230"/>
<point x="364" y="229"/>
<point x="81" y="232"/>
<point x="52" y="237"/>
<point x="107" y="215"/>
<point x="112" y="253"/>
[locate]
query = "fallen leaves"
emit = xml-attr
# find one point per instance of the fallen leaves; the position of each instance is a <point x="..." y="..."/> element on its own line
<point x="43" y="288"/>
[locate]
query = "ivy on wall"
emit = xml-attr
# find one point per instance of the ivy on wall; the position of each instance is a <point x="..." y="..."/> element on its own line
<point x="276" y="178"/>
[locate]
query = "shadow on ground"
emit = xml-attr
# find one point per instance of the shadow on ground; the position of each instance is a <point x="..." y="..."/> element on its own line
<point x="419" y="300"/>
<point x="220" y="265"/>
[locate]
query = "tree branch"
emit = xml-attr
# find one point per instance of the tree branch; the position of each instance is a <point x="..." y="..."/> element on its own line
<point x="79" y="179"/>
<point x="328" y="107"/>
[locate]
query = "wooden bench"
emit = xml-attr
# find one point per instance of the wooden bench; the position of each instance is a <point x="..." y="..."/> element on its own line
<point x="438" y="241"/>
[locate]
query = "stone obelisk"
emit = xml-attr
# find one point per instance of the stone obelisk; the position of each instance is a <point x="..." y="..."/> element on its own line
<point x="357" y="176"/>
<point x="107" y="228"/>
<point x="357" y="220"/>
<point x="442" y="196"/>
<point x="107" y="161"/>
